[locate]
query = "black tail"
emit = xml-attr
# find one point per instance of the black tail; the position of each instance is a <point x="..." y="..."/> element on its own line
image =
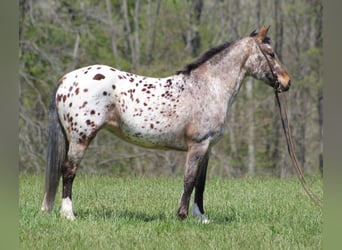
<point x="56" y="153"/>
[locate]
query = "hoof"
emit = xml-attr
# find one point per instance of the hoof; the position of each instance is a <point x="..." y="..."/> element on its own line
<point x="197" y="214"/>
<point x="47" y="205"/>
<point x="66" y="210"/>
<point x="182" y="214"/>
<point x="203" y="219"/>
<point x="68" y="216"/>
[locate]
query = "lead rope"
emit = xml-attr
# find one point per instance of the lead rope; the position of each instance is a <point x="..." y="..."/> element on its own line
<point x="281" y="101"/>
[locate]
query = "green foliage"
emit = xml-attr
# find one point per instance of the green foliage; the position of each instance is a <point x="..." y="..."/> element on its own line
<point x="130" y="213"/>
<point x="57" y="37"/>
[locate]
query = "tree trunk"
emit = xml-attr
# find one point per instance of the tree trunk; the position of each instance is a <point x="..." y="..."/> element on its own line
<point x="129" y="31"/>
<point x="75" y="54"/>
<point x="320" y="123"/>
<point x="136" y="34"/>
<point x="112" y="30"/>
<point x="278" y="47"/>
<point x="250" y="120"/>
<point x="151" y="30"/>
<point x="232" y="141"/>
<point x="318" y="43"/>
<point x="193" y="38"/>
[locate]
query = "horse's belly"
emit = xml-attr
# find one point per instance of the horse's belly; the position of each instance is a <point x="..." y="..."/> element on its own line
<point x="149" y="137"/>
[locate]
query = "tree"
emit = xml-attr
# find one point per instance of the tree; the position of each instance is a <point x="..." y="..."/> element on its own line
<point x="149" y="38"/>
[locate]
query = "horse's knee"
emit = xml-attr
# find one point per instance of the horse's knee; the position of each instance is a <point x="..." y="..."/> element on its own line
<point x="68" y="176"/>
<point x="68" y="170"/>
<point x="76" y="151"/>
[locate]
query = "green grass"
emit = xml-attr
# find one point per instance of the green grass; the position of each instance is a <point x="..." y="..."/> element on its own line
<point x="140" y="213"/>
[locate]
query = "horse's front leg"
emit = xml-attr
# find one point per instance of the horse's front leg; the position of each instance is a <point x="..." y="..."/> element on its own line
<point x="196" y="157"/>
<point x="198" y="209"/>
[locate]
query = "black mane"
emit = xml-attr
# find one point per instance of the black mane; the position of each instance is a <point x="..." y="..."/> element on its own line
<point x="203" y="58"/>
<point x="212" y="52"/>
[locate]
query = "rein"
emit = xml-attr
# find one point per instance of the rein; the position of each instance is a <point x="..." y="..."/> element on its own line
<point x="281" y="101"/>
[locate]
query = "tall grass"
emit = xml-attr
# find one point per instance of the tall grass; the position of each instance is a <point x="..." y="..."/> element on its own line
<point x="140" y="213"/>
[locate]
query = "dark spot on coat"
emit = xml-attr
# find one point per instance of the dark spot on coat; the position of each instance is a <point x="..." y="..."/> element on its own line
<point x="113" y="86"/>
<point x="132" y="79"/>
<point x="64" y="98"/>
<point x="70" y="88"/>
<point x="85" y="90"/>
<point x="77" y="91"/>
<point x="168" y="83"/>
<point x="131" y="91"/>
<point x="112" y="69"/>
<point x="98" y="77"/>
<point x="92" y="112"/>
<point x="84" y="104"/>
<point x="151" y="125"/>
<point x="59" y="98"/>
<point x="104" y="93"/>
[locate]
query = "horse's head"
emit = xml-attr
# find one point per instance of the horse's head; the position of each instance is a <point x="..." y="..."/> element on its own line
<point x="264" y="64"/>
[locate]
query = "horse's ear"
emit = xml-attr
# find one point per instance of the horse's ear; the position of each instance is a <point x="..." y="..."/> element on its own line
<point x="262" y="34"/>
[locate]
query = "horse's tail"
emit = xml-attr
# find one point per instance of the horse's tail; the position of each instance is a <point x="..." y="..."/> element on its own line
<point x="56" y="154"/>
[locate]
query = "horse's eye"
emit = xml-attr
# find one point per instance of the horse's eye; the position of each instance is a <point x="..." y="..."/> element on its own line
<point x="271" y="55"/>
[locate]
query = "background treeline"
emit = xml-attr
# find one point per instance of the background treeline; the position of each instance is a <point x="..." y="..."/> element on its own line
<point x="157" y="38"/>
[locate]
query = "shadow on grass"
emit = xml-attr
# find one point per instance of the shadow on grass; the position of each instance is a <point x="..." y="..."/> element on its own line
<point x="231" y="216"/>
<point x="140" y="216"/>
<point x="127" y="214"/>
<point x="112" y="214"/>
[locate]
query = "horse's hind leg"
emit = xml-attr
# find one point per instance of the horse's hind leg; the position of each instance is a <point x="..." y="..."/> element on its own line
<point x="69" y="168"/>
<point x="198" y="209"/>
<point x="196" y="157"/>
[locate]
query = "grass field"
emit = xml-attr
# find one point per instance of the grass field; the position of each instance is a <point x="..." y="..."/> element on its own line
<point x="140" y="213"/>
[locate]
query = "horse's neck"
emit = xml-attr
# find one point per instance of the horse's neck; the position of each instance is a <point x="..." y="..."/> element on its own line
<point x="225" y="74"/>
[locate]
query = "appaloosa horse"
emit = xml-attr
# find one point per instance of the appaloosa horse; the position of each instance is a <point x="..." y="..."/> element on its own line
<point x="186" y="111"/>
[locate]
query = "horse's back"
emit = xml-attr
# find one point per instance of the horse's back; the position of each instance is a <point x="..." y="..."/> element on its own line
<point x="142" y="110"/>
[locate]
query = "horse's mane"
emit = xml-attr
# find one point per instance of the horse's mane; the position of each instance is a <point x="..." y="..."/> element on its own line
<point x="203" y="58"/>
<point x="210" y="53"/>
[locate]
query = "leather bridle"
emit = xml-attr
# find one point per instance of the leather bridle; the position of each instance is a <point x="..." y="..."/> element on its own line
<point x="277" y="85"/>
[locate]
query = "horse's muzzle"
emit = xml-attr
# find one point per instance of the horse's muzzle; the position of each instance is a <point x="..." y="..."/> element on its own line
<point x="279" y="87"/>
<point x="282" y="88"/>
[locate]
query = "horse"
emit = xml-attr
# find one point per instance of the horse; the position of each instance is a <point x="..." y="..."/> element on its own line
<point x="186" y="111"/>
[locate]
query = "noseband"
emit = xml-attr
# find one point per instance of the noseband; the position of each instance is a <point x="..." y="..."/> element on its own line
<point x="276" y="85"/>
